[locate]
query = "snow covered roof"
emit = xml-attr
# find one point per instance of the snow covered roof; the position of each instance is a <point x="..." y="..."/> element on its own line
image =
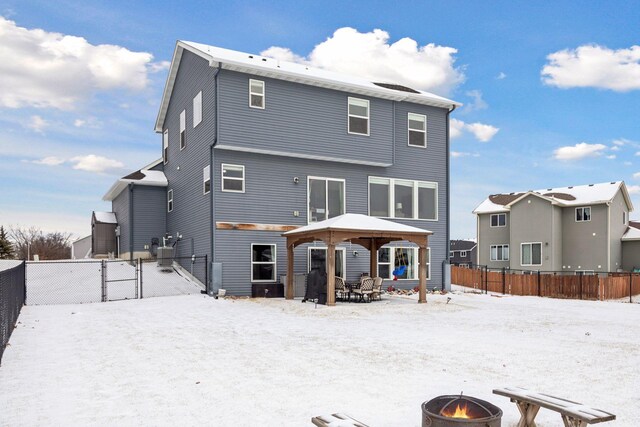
<point x="578" y="195"/>
<point x="105" y="217"/>
<point x="143" y="176"/>
<point x="290" y="71"/>
<point x="358" y="222"/>
<point x="632" y="233"/>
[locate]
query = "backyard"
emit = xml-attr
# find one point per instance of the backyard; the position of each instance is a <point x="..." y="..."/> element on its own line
<point x="195" y="360"/>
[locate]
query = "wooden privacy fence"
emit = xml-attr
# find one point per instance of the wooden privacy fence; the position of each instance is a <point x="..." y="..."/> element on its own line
<point x="602" y="286"/>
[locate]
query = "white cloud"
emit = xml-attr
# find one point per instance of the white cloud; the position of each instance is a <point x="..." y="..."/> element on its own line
<point x="620" y="142"/>
<point x="37" y="124"/>
<point x="49" y="161"/>
<point x="476" y="104"/>
<point x="611" y="156"/>
<point x="579" y="151"/>
<point x="633" y="189"/>
<point x="97" y="164"/>
<point x="429" y="67"/>
<point x="482" y="132"/>
<point x="615" y="148"/>
<point x="636" y="175"/>
<point x="456" y="154"/>
<point x="501" y="76"/>
<point x="53" y="70"/>
<point x="89" y="122"/>
<point x="594" y="66"/>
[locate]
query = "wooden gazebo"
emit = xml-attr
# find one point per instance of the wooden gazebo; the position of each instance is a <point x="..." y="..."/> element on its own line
<point x="369" y="232"/>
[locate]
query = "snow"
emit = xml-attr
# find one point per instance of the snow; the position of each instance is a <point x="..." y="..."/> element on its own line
<point x="632" y="233"/>
<point x="192" y="359"/>
<point x="351" y="221"/>
<point x="151" y="178"/>
<point x="106" y="217"/>
<point x="6" y="264"/>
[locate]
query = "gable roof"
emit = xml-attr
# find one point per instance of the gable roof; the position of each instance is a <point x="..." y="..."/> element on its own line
<point x="578" y="195"/>
<point x="105" y="217"/>
<point x="143" y="176"/>
<point x="294" y="72"/>
<point x="351" y="221"/>
<point x="462" y="245"/>
<point x="632" y="233"/>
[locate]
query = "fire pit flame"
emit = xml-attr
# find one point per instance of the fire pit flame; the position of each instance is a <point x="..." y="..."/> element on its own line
<point x="460" y="412"/>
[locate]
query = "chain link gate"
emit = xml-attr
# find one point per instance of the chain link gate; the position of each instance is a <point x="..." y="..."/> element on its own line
<point x="120" y="280"/>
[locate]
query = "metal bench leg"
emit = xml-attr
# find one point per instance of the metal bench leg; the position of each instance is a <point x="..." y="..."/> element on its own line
<point x="528" y="412"/>
<point x="572" y="422"/>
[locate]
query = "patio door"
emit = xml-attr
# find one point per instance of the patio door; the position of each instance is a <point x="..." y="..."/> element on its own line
<point x="318" y="259"/>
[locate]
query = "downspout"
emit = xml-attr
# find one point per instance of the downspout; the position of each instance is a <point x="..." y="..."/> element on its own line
<point x="393" y="133"/>
<point x="131" y="221"/>
<point x="212" y="219"/>
<point x="448" y="242"/>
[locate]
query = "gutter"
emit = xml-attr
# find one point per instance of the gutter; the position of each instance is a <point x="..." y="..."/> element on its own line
<point x="447" y="259"/>
<point x="131" y="221"/>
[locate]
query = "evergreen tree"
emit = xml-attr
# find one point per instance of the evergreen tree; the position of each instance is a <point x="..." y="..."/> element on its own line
<point x="6" y="248"/>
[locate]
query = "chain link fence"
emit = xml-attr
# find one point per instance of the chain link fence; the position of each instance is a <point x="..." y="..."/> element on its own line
<point x="12" y="296"/>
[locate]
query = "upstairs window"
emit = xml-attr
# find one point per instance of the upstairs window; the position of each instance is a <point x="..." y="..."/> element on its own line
<point x="463" y="254"/>
<point x="499" y="220"/>
<point x="358" y="116"/>
<point x="233" y="178"/>
<point x="197" y="109"/>
<point x="531" y="254"/>
<point x="169" y="200"/>
<point x="263" y="262"/>
<point x="165" y="146"/>
<point x="417" y="130"/>
<point x="183" y="130"/>
<point x="326" y="198"/>
<point x="206" y="179"/>
<point x="399" y="198"/>
<point x="256" y="94"/>
<point x="583" y="214"/>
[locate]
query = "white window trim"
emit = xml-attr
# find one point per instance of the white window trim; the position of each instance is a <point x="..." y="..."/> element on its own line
<point x="498" y="215"/>
<point x="274" y="262"/>
<point x="424" y="132"/>
<point x="392" y="197"/>
<point x="392" y="262"/>
<point x="206" y="177"/>
<point x="183" y="128"/>
<point x="585" y="272"/>
<point x="368" y="117"/>
<point x="263" y="94"/>
<point x="502" y="246"/>
<point x="235" y="179"/>
<point x="463" y="254"/>
<point x="575" y="217"/>
<point x="326" y="195"/>
<point x="170" y="200"/>
<point x="344" y="257"/>
<point x="165" y="146"/>
<point x="197" y="109"/>
<point x="521" y="252"/>
<point x="452" y="254"/>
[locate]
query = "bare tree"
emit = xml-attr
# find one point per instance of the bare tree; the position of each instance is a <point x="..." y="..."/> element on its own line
<point x="31" y="241"/>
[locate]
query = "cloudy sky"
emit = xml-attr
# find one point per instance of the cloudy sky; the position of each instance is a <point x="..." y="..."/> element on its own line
<point x="551" y="89"/>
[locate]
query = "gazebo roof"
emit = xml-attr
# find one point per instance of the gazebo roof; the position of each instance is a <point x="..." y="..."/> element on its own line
<point x="358" y="222"/>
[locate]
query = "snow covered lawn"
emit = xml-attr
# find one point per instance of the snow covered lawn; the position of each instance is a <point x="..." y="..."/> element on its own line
<point x="194" y="360"/>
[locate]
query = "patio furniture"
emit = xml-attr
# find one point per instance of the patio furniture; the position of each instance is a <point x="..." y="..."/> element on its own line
<point x="365" y="289"/>
<point x="377" y="288"/>
<point x="341" y="288"/>
<point x="336" y="420"/>
<point x="573" y="414"/>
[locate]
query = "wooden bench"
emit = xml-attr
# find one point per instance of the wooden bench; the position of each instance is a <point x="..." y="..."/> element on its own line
<point x="336" y="420"/>
<point x="573" y="414"/>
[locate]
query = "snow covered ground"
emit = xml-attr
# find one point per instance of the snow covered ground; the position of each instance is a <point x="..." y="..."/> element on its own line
<point x="194" y="360"/>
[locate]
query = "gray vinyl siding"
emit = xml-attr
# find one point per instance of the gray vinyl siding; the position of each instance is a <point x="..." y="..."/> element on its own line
<point x="149" y="212"/>
<point x="120" y="206"/>
<point x="190" y="217"/>
<point x="617" y="229"/>
<point x="531" y="222"/>
<point x="556" y="233"/>
<point x="631" y="255"/>
<point x="488" y="236"/>
<point x="585" y="244"/>
<point x="103" y="238"/>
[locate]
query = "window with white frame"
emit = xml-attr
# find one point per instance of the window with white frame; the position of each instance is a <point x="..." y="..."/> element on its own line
<point x="585" y="272"/>
<point x="169" y="200"/>
<point x="530" y="254"/>
<point x="326" y="198"/>
<point x="358" y="116"/>
<point x="399" y="198"/>
<point x="317" y="257"/>
<point x="390" y="259"/>
<point x="498" y="220"/>
<point x="463" y="254"/>
<point x="197" y="109"/>
<point x="452" y="254"/>
<point x="583" y="214"/>
<point x="206" y="179"/>
<point x="183" y="130"/>
<point x="263" y="262"/>
<point x="165" y="146"/>
<point x="256" y="94"/>
<point x="499" y="253"/>
<point x="624" y="217"/>
<point x="233" y="178"/>
<point x="417" y="124"/>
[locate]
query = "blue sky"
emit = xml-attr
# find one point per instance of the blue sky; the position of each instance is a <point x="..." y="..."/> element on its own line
<point x="551" y="89"/>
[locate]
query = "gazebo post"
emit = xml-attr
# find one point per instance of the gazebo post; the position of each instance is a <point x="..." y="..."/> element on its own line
<point x="373" y="258"/>
<point x="422" y="274"/>
<point x="331" y="274"/>
<point x="289" y="290"/>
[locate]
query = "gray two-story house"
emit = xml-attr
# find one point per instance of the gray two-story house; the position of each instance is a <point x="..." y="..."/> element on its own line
<point x="463" y="253"/>
<point x="253" y="147"/>
<point x="569" y="229"/>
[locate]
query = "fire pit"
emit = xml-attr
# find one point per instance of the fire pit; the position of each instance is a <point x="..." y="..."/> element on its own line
<point x="460" y="411"/>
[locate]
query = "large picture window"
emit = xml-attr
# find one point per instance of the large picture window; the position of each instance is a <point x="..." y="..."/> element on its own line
<point x="417" y="130"/>
<point x="326" y="198"/>
<point x="531" y="254"/>
<point x="358" y="116"/>
<point x="318" y="259"/>
<point x="499" y="253"/>
<point x="398" y="198"/>
<point x="233" y="178"/>
<point x="263" y="262"/>
<point x="391" y="258"/>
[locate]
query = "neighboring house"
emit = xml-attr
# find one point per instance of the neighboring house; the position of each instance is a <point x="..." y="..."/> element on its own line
<point x="568" y="229"/>
<point x="631" y="247"/>
<point x="81" y="248"/>
<point x="463" y="253"/>
<point x="103" y="234"/>
<point x="253" y="147"/>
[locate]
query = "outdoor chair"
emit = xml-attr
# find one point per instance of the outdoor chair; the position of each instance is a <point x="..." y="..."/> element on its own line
<point x="365" y="289"/>
<point x="377" y="288"/>
<point x="341" y="288"/>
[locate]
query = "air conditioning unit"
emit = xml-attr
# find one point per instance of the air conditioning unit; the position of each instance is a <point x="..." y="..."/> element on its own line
<point x="165" y="256"/>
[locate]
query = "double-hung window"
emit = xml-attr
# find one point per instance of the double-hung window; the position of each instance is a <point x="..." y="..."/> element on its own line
<point x="358" y="116"/>
<point x="233" y="178"/>
<point x="206" y="179"/>
<point x="183" y="130"/>
<point x="417" y="130"/>
<point x="197" y="109"/>
<point x="399" y="198"/>
<point x="326" y="198"/>
<point x="498" y="220"/>
<point x="263" y="262"/>
<point x="169" y="200"/>
<point x="463" y="254"/>
<point x="499" y="253"/>
<point x="256" y="94"/>
<point x="531" y="254"/>
<point x="165" y="146"/>
<point x="390" y="259"/>
<point x="583" y="214"/>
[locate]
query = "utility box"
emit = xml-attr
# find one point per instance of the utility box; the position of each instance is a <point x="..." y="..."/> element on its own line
<point x="213" y="288"/>
<point x="165" y="256"/>
<point x="299" y="284"/>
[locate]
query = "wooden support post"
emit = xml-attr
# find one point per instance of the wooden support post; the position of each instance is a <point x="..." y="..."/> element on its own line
<point x="630" y="287"/>
<point x="373" y="259"/>
<point x="331" y="274"/>
<point x="422" y="274"/>
<point x="289" y="290"/>
<point x="528" y="412"/>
